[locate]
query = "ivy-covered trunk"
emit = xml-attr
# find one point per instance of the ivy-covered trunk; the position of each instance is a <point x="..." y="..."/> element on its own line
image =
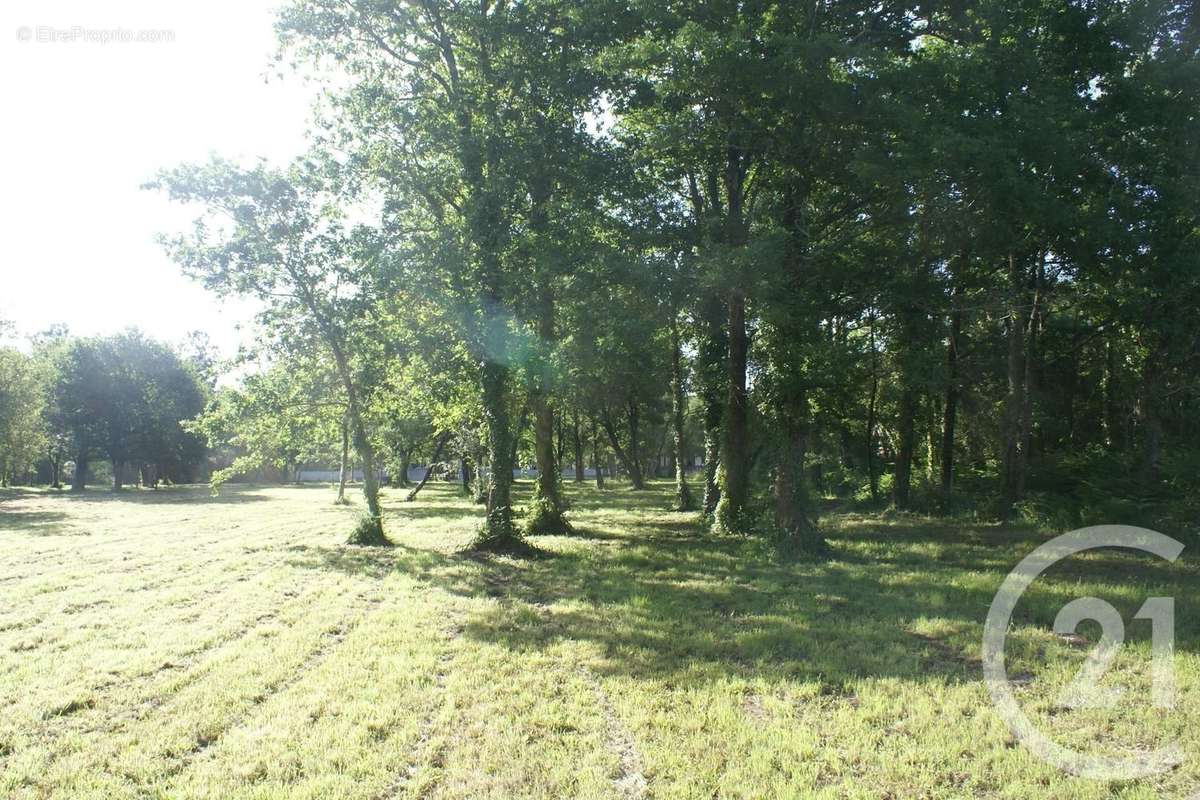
<point x="710" y="370"/>
<point x="796" y="529"/>
<point x="546" y="507"/>
<point x="872" y="406"/>
<point x="683" y="492"/>
<point x="479" y="477"/>
<point x="498" y="532"/>
<point x="731" y="509"/>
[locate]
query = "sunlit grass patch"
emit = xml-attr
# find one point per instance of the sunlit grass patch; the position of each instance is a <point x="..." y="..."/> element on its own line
<point x="172" y="644"/>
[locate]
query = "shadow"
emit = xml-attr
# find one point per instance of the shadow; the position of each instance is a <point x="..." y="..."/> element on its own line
<point x="653" y="596"/>
<point x="183" y="494"/>
<point x="370" y="562"/>
<point x="36" y="523"/>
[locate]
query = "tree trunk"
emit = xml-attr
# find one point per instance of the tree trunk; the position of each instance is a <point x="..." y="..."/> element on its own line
<point x="1016" y="404"/>
<point x="116" y="475"/>
<point x="546" y="506"/>
<point x="515" y="444"/>
<point x="683" y="493"/>
<point x="710" y="371"/>
<point x="596" y="463"/>
<point x="56" y="459"/>
<point x="577" y="441"/>
<point x="906" y="430"/>
<point x="636" y="471"/>
<point x="1114" y="431"/>
<point x="1033" y="365"/>
<point x="1149" y="417"/>
<point x="439" y="445"/>
<point x="342" y="472"/>
<point x="712" y="458"/>
<point x="872" y="411"/>
<point x="366" y="457"/>
<point x="910" y="342"/>
<point x="370" y="530"/>
<point x="950" y="410"/>
<point x="402" y="481"/>
<point x="464" y="471"/>
<point x="546" y="512"/>
<point x="795" y="521"/>
<point x="498" y="532"/>
<point x="543" y="448"/>
<point x="479" y="489"/>
<point x="628" y="461"/>
<point x="734" y="480"/>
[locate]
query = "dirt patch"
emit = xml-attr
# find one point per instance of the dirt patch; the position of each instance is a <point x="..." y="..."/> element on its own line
<point x="753" y="706"/>
<point x="630" y="782"/>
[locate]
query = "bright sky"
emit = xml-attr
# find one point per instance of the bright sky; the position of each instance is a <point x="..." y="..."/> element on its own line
<point x="86" y="122"/>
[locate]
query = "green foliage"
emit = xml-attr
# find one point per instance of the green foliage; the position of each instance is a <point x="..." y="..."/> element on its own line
<point x="125" y="399"/>
<point x="910" y="256"/>
<point x="22" y="434"/>
<point x="284" y="416"/>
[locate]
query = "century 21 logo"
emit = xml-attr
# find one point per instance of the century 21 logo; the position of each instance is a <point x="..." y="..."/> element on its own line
<point x="1085" y="691"/>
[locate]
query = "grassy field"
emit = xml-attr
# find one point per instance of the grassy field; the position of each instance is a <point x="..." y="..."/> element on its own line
<point x="170" y="644"/>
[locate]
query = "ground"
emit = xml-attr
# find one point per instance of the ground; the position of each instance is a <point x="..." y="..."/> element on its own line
<point x="171" y="644"/>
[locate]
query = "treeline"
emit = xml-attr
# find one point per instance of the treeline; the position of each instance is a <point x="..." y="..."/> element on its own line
<point x="938" y="256"/>
<point x="71" y="404"/>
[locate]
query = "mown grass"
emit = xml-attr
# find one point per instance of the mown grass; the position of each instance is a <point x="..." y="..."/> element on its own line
<point x="170" y="644"/>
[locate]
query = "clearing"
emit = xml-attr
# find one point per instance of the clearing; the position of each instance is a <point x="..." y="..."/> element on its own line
<point x="171" y="644"/>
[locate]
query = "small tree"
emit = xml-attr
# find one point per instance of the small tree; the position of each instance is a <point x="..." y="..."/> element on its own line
<point x="278" y="236"/>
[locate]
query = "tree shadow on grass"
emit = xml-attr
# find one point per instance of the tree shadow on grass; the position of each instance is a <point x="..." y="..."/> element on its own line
<point x="680" y="611"/>
<point x="36" y="523"/>
<point x="183" y="495"/>
<point x="660" y="600"/>
<point x="371" y="562"/>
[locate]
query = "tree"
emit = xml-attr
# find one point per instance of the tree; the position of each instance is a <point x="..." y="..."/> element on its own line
<point x="122" y="398"/>
<point x="475" y="140"/>
<point x="285" y="243"/>
<point x="22" y="437"/>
